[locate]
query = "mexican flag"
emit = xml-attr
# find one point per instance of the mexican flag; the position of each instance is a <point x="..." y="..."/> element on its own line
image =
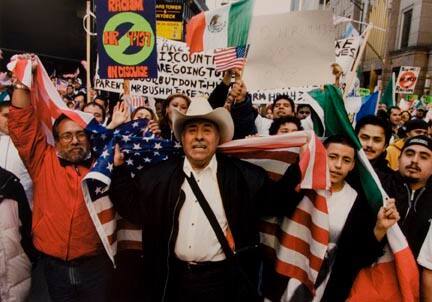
<point x="395" y="276"/>
<point x="227" y="26"/>
<point x="388" y="97"/>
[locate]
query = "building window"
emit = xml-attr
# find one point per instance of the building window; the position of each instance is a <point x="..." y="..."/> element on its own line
<point x="406" y="27"/>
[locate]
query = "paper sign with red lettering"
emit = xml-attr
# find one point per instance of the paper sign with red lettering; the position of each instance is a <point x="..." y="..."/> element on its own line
<point x="407" y="79"/>
<point x="126" y="39"/>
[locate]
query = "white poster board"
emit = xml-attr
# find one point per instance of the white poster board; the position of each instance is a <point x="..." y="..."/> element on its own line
<point x="290" y="50"/>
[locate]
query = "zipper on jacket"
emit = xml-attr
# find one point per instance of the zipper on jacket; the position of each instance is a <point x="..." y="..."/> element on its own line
<point x="169" y="242"/>
<point x="412" y="204"/>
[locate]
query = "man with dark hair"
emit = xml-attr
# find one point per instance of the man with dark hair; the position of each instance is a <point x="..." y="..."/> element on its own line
<point x="285" y="124"/>
<point x="187" y="254"/>
<point x="247" y="121"/>
<point x="75" y="263"/>
<point x="394" y="115"/>
<point x="350" y="217"/>
<point x="374" y="134"/>
<point x="412" y="188"/>
<point x="412" y="128"/>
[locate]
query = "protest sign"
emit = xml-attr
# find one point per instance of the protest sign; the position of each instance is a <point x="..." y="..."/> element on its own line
<point x="407" y="79"/>
<point x="178" y="72"/>
<point x="290" y="50"/>
<point x="169" y="20"/>
<point x="126" y="39"/>
<point x="346" y="52"/>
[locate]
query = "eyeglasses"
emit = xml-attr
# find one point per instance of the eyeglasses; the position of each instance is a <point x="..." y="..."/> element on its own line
<point x="68" y="136"/>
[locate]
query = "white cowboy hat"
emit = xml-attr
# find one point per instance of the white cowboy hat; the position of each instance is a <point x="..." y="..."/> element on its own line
<point x="200" y="108"/>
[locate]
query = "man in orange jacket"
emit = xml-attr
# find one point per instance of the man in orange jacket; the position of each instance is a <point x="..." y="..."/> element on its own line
<point x="75" y="264"/>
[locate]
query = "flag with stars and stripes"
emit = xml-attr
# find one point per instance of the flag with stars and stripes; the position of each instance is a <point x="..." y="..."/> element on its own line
<point x="141" y="149"/>
<point x="228" y="58"/>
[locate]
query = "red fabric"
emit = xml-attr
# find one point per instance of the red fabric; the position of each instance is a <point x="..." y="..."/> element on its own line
<point x="62" y="226"/>
<point x="195" y="33"/>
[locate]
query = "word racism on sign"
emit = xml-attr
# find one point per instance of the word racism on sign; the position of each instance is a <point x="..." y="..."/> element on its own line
<point x="407" y="79"/>
<point x="169" y="20"/>
<point x="126" y="39"/>
<point x="346" y="52"/>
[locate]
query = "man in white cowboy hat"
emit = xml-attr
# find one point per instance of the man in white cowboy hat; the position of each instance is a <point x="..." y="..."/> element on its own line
<point x="188" y="255"/>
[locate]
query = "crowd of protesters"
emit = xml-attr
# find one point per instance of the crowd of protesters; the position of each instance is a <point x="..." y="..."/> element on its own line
<point x="198" y="210"/>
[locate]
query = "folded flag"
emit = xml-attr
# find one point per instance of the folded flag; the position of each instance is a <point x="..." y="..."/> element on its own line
<point x="395" y="274"/>
<point x="228" y="58"/>
<point x="227" y="26"/>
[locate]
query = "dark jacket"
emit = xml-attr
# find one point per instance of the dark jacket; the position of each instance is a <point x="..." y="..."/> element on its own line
<point x="154" y="198"/>
<point x="415" y="208"/>
<point x="381" y="166"/>
<point x="243" y="114"/>
<point x="356" y="248"/>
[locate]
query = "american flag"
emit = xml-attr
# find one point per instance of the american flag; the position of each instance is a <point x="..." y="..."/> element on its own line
<point x="228" y="58"/>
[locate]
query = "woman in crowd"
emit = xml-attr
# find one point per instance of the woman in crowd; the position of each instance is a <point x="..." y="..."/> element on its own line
<point x="175" y="101"/>
<point x="143" y="113"/>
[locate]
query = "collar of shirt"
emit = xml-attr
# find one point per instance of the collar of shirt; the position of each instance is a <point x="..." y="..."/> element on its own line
<point x="211" y="167"/>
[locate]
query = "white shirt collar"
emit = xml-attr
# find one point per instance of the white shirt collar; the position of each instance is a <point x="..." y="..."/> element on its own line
<point x="211" y="167"/>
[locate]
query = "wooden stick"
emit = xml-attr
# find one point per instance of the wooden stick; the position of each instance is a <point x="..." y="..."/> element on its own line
<point x="88" y="53"/>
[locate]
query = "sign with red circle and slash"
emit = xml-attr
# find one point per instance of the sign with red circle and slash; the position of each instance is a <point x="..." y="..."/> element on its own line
<point x="407" y="79"/>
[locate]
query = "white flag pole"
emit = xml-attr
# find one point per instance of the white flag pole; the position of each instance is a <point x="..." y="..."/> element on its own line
<point x="351" y="79"/>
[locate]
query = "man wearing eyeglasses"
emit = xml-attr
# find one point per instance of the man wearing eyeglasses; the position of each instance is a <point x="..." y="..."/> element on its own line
<point x="75" y="264"/>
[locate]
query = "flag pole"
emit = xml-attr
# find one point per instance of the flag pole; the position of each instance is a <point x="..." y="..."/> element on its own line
<point x="88" y="52"/>
<point x="357" y="61"/>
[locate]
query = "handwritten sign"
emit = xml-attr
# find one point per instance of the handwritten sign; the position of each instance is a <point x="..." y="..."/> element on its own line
<point x="290" y="50"/>
<point x="346" y="52"/>
<point x="126" y="39"/>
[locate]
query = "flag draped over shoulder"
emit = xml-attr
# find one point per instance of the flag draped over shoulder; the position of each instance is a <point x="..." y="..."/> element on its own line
<point x="298" y="244"/>
<point x="395" y="274"/>
<point x="140" y="149"/>
<point x="227" y="26"/>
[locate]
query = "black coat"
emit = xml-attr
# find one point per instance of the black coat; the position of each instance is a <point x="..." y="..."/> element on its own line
<point x="154" y="198"/>
<point x="415" y="209"/>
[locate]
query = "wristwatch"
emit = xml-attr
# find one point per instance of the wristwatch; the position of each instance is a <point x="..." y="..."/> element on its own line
<point x="20" y="86"/>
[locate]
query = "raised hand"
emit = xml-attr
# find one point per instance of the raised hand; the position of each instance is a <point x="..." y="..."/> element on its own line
<point x="120" y="115"/>
<point x="387" y="217"/>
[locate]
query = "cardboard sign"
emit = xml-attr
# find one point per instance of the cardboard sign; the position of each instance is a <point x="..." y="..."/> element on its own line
<point x="126" y="39"/>
<point x="178" y="72"/>
<point x="290" y="50"/>
<point x="407" y="79"/>
<point x="346" y="52"/>
<point x="169" y="20"/>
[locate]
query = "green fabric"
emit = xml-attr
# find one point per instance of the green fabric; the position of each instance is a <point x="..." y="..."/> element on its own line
<point x="239" y="20"/>
<point x="336" y="122"/>
<point x="387" y="97"/>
